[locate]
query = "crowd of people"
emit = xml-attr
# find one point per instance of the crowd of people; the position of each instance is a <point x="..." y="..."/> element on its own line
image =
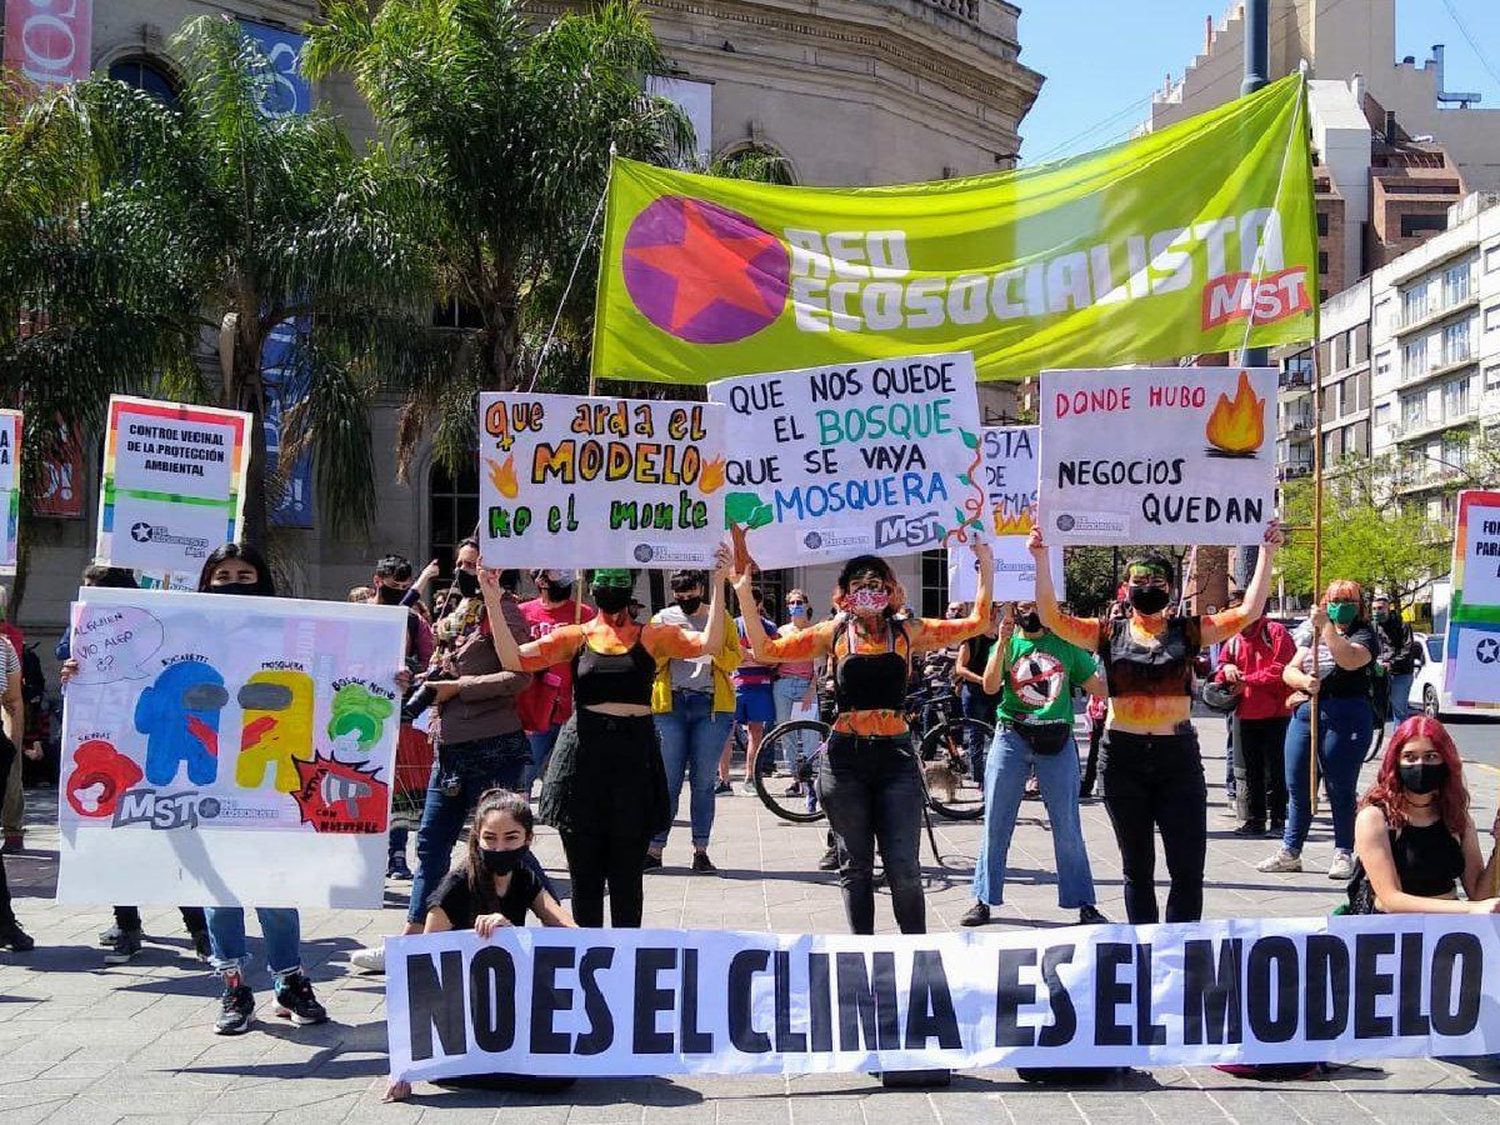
<point x="605" y="713"/>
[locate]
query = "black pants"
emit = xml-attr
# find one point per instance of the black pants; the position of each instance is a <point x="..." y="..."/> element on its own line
<point x="193" y="919"/>
<point x="870" y="789"/>
<point x="1260" y="771"/>
<point x="607" y="856"/>
<point x="1091" y="767"/>
<point x="7" y="757"/>
<point x="1155" y="783"/>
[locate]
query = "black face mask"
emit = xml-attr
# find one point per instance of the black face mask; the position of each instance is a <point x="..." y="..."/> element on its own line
<point x="691" y="605"/>
<point x="247" y="589"/>
<point x="559" y="591"/>
<point x="1424" y="778"/>
<point x="610" y="599"/>
<point x="468" y="583"/>
<point x="499" y="861"/>
<point x="1149" y="599"/>
<point x="1032" y="622"/>
<point x="389" y="595"/>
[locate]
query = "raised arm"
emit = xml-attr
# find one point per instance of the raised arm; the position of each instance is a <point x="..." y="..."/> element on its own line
<point x="938" y="633"/>
<point x="555" y="647"/>
<point x="1222" y="626"/>
<point x="1080" y="631"/>
<point x="805" y="644"/>
<point x="994" y="668"/>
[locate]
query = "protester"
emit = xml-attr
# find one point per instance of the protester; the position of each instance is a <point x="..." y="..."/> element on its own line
<point x="1034" y="674"/>
<point x="1416" y="841"/>
<point x="12" y="728"/>
<point x="1399" y="655"/>
<point x="1251" y="666"/>
<point x="754" y="700"/>
<point x="546" y="705"/>
<point x="392" y="584"/>
<point x="476" y="732"/>
<point x="968" y="669"/>
<point x="13" y="805"/>
<point x="1152" y="771"/>
<point x="868" y="777"/>
<point x="1333" y="671"/>
<point x="795" y="683"/>
<point x="606" y="790"/>
<point x="1097" y="711"/>
<point x="495" y="889"/>
<point x="694" y="704"/>
<point x="125" y="937"/>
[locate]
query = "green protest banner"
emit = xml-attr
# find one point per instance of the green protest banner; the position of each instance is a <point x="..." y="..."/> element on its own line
<point x="1196" y="238"/>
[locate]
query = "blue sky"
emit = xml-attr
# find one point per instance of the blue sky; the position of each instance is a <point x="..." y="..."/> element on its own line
<point x="1103" y="58"/>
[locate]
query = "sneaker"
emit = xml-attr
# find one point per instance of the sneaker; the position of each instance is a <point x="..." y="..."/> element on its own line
<point x="1342" y="866"/>
<point x="126" y="946"/>
<point x="1283" y="860"/>
<point x="201" y="945"/>
<point x="109" y="936"/>
<point x="1090" y="916"/>
<point x="976" y="915"/>
<point x="397" y="869"/>
<point x="793" y="790"/>
<point x="370" y="959"/>
<point x="652" y="862"/>
<point x="829" y="861"/>
<point x="1250" y="828"/>
<point x="745" y="789"/>
<point x="721" y="787"/>
<point x="15" y="939"/>
<point x="236" y="1007"/>
<point x="702" y="865"/>
<point x="295" y="1001"/>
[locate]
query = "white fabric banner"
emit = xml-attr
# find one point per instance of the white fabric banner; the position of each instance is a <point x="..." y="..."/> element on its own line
<point x="221" y="751"/>
<point x="643" y="1002"/>
<point x="1158" y="455"/>
<point x="570" y="482"/>
<point x="871" y="458"/>
<point x="10" y="487"/>
<point x="1010" y="475"/>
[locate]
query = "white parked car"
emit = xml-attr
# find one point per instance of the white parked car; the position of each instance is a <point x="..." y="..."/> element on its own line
<point x="1428" y="690"/>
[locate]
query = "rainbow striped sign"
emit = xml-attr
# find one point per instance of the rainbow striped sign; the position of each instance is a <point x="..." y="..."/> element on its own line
<point x="174" y="484"/>
<point x="1473" y="648"/>
<point x="10" y="487"/>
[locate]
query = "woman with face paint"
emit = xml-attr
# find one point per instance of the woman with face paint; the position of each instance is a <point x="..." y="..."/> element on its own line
<point x="606" y="790"/>
<point x="1414" y="835"/>
<point x="868" y="779"/>
<point x="1150" y="766"/>
<point x="1339" y="685"/>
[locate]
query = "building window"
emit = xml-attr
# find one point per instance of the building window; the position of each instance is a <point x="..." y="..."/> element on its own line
<point x="1455" y="285"/>
<point x="1382" y="365"/>
<point x="1456" y="343"/>
<point x="1323" y="263"/>
<point x="1322" y="224"/>
<point x="773" y="587"/>
<point x="934" y="583"/>
<point x="1492" y="379"/>
<point x="1414" y="226"/>
<point x="1414" y="306"/>
<point x="1458" y="399"/>
<point x="1492" y="259"/>
<point x="453" y="511"/>
<point x="1383" y="414"/>
<point x="146" y="74"/>
<point x="1414" y="359"/>
<point x="1413" y="412"/>
<point x="1492" y="319"/>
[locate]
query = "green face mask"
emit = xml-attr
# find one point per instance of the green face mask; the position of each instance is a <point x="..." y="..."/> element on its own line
<point x="1343" y="613"/>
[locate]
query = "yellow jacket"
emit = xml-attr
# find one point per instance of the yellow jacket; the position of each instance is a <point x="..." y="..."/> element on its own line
<point x="725" y="662"/>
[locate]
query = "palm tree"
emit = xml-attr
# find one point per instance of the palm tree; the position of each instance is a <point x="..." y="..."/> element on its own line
<point x="209" y="223"/>
<point x="509" y="128"/>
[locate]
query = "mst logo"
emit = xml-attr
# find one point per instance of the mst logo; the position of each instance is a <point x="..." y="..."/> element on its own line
<point x="142" y="532"/>
<point x="907" y="530"/>
<point x="643" y="553"/>
<point x="165" y="810"/>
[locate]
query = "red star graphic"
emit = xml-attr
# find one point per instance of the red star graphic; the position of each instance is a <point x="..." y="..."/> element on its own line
<point x="708" y="268"/>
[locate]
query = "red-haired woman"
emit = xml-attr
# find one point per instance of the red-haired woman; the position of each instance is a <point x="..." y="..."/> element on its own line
<point x="1338" y="683"/>
<point x="1414" y="834"/>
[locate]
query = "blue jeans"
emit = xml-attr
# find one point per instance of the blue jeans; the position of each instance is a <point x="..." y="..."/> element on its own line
<point x="280" y="927"/>
<point x="692" y="738"/>
<point x="461" y="772"/>
<point x="1009" y="762"/>
<point x="1401" y="696"/>
<point x="1345" y="727"/>
<point x="789" y="691"/>
<point x="541" y="743"/>
<point x="976" y="705"/>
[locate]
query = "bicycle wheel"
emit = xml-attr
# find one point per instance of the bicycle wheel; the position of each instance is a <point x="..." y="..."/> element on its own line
<point x="786" y="770"/>
<point x="953" y="767"/>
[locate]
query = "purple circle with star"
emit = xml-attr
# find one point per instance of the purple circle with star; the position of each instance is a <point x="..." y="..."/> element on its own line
<point x="704" y="273"/>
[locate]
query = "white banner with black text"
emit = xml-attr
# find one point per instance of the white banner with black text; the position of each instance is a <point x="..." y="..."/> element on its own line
<point x="642" y="1002"/>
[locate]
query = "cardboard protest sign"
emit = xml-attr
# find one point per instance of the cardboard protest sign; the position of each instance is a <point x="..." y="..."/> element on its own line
<point x="222" y="751"/>
<point x="173" y="487"/>
<point x="10" y="487"/>
<point x="1009" y="474"/>
<point x="624" y="1003"/>
<point x="1473" y="671"/>
<point x="833" y="462"/>
<point x="1158" y="455"/>
<point x="571" y="482"/>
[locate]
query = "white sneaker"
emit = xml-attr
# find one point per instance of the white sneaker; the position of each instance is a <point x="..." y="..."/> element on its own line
<point x="1342" y="866"/>
<point x="371" y="959"/>
<point x="1283" y="860"/>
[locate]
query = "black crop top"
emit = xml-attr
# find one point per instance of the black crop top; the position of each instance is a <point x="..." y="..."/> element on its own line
<point x="864" y="681"/>
<point x="1165" y="668"/>
<point x="1429" y="860"/>
<point x="613" y="677"/>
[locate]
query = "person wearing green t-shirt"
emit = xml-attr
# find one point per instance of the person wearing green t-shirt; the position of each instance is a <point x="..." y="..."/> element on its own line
<point x="1035" y="673"/>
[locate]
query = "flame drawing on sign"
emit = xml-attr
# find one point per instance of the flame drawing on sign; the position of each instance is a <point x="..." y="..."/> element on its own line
<point x="1013" y="523"/>
<point x="503" y="476"/>
<point x="712" y="476"/>
<point x="1236" y="428"/>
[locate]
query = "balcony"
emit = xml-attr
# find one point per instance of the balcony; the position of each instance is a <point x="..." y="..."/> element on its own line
<point x="1293" y="470"/>
<point x="1447" y="365"/>
<point x="1294" y="382"/>
<point x="1423" y="480"/>
<point x="1296" y="425"/>
<point x="1415" y="428"/>
<point x="1427" y="316"/>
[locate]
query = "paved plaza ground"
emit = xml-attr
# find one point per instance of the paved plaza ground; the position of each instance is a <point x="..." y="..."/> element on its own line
<point x="82" y="1042"/>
